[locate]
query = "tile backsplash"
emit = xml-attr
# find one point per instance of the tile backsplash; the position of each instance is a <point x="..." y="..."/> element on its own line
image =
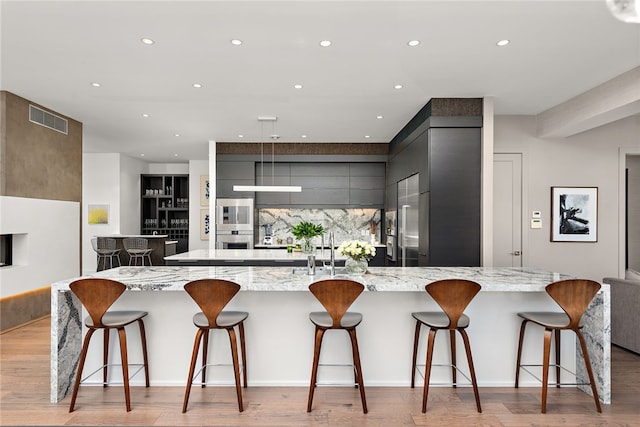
<point x="346" y="224"/>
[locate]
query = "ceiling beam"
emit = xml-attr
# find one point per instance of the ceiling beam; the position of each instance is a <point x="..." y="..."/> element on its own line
<point x="613" y="100"/>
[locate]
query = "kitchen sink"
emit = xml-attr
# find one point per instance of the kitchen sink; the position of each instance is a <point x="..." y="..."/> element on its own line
<point x="319" y="271"/>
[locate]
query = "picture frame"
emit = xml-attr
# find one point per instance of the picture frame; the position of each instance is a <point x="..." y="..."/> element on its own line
<point x="98" y="214"/>
<point x="574" y="214"/>
<point x="205" y="193"/>
<point x="204" y="224"/>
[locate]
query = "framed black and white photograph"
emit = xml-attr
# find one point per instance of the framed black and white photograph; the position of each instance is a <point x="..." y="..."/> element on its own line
<point x="574" y="214"/>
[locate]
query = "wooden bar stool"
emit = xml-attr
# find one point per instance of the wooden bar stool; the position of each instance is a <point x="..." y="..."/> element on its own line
<point x="97" y="295"/>
<point x="453" y="296"/>
<point x="336" y="296"/>
<point x="212" y="295"/>
<point x="573" y="296"/>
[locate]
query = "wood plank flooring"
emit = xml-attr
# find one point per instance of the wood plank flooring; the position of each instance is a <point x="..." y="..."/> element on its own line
<point x="24" y="400"/>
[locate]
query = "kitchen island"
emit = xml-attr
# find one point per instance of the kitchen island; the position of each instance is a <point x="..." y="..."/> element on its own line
<point x="249" y="257"/>
<point x="280" y="337"/>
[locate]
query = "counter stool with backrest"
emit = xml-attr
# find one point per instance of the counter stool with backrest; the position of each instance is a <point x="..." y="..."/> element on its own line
<point x="573" y="296"/>
<point x="212" y="295"/>
<point x="453" y="296"/>
<point x="336" y="296"/>
<point x="138" y="249"/>
<point x="106" y="249"/>
<point x="97" y="295"/>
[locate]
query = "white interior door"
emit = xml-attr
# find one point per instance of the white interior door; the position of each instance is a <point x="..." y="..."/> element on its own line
<point x="507" y="210"/>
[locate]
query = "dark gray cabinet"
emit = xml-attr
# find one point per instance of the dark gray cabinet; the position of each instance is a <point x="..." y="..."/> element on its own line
<point x="232" y="173"/>
<point x="445" y="150"/>
<point x="454" y="197"/>
<point x="324" y="185"/>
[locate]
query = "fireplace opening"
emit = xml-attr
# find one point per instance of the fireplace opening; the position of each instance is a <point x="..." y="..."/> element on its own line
<point x="6" y="241"/>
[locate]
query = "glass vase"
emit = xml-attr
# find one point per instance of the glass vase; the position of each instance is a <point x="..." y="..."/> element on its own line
<point x="307" y="246"/>
<point x="356" y="266"/>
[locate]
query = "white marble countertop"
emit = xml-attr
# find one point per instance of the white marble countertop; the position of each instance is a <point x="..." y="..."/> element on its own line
<point x="248" y="254"/>
<point x="284" y="245"/>
<point x="398" y="279"/>
<point x="124" y="236"/>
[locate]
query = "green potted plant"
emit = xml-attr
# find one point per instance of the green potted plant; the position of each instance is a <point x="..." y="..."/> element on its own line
<point x="306" y="231"/>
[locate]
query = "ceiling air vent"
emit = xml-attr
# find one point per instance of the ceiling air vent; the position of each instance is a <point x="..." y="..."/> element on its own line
<point x="46" y="119"/>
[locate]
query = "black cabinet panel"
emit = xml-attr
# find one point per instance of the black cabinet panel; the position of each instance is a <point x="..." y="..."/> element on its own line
<point x="366" y="169"/>
<point x="320" y="169"/>
<point x="310" y="182"/>
<point x="454" y="231"/>
<point x="367" y="182"/>
<point x="324" y="184"/>
<point x="318" y="197"/>
<point x="373" y="197"/>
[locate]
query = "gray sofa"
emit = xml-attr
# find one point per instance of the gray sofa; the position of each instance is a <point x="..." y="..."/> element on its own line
<point x="625" y="310"/>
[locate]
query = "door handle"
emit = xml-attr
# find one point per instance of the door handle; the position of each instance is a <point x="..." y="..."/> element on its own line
<point x="516" y="253"/>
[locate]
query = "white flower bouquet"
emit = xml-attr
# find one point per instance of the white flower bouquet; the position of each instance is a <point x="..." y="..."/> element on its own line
<point x="357" y="250"/>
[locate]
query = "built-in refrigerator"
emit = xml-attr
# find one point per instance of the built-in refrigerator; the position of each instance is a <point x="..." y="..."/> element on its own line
<point x="408" y="225"/>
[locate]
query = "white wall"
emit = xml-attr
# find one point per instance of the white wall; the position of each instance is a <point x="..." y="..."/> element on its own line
<point x="586" y="159"/>
<point x="112" y="179"/>
<point x="167" y="168"/>
<point x="130" y="171"/>
<point x="100" y="185"/>
<point x="46" y="247"/>
<point x="197" y="168"/>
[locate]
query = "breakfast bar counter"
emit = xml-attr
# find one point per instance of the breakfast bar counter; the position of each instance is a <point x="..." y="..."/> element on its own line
<point x="280" y="336"/>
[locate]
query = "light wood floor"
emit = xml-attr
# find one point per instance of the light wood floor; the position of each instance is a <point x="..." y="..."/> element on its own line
<point x="24" y="400"/>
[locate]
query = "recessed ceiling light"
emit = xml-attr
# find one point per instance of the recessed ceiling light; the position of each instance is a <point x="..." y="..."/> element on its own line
<point x="303" y="136"/>
<point x="367" y="136"/>
<point x="146" y="40"/>
<point x="95" y="84"/>
<point x="413" y="43"/>
<point x="197" y="85"/>
<point x="397" y="87"/>
<point x="175" y="155"/>
<point x="297" y="86"/>
<point x="145" y="115"/>
<point x="236" y="42"/>
<point x="177" y="134"/>
<point x="503" y="42"/>
<point x="141" y="154"/>
<point x="378" y="117"/>
<point x="241" y="136"/>
<point x="325" y="43"/>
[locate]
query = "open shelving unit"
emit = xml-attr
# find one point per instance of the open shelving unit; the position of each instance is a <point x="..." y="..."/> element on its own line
<point x="165" y="207"/>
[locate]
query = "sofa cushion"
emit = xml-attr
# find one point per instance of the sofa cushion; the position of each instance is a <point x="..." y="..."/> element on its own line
<point x="632" y="275"/>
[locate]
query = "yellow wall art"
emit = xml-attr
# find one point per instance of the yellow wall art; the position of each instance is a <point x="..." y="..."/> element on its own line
<point x="98" y="214"/>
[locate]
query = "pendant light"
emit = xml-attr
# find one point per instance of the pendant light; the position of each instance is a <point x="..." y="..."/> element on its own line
<point x="625" y="10"/>
<point x="268" y="188"/>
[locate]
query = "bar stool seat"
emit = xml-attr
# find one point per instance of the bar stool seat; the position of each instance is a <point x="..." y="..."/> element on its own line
<point x="336" y="296"/>
<point x="453" y="296"/>
<point x="324" y="320"/>
<point x="573" y="296"/>
<point x="439" y="320"/>
<point x="212" y="295"/>
<point x="97" y="295"/>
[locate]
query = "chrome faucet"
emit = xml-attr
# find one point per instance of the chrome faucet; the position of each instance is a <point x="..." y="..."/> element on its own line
<point x="332" y="259"/>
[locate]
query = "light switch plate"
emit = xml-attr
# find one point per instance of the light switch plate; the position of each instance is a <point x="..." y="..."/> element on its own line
<point x="536" y="223"/>
<point x="536" y="214"/>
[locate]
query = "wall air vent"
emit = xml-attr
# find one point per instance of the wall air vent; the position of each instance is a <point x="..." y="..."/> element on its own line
<point x="46" y="119"/>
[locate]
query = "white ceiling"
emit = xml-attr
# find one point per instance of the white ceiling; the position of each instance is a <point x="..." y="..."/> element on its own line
<point x="52" y="50"/>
